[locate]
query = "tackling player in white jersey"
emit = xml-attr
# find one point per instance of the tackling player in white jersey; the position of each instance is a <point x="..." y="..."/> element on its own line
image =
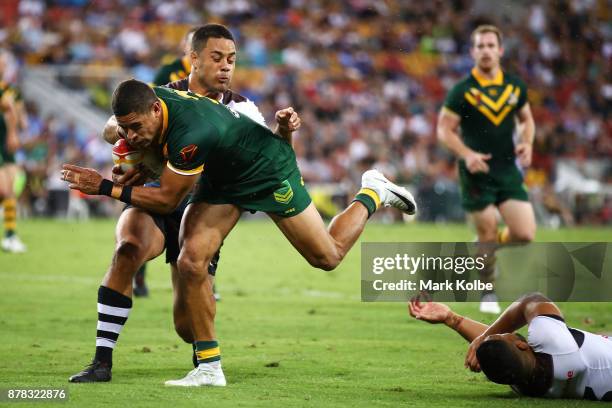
<point x="555" y="361"/>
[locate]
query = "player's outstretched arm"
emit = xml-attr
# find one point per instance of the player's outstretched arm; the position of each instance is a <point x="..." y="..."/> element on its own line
<point x="517" y="315"/>
<point x="162" y="200"/>
<point x="434" y="313"/>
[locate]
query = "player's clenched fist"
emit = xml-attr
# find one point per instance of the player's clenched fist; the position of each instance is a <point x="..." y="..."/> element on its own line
<point x="288" y="119"/>
<point x="524" y="152"/>
<point x="79" y="178"/>
<point x="135" y="176"/>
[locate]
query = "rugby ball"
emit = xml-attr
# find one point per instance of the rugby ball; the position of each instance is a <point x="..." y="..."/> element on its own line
<point x="125" y="155"/>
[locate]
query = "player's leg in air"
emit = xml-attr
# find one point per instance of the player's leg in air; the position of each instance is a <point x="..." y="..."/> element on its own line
<point x="10" y="241"/>
<point x="205" y="226"/>
<point x="325" y="248"/>
<point x="138" y="239"/>
<point x="485" y="222"/>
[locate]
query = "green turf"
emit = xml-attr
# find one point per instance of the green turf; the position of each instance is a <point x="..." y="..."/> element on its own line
<point x="330" y="349"/>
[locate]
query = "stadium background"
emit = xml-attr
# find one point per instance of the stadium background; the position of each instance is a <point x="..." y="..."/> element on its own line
<point x="367" y="78"/>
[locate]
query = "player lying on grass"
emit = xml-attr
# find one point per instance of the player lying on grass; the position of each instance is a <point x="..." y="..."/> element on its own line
<point x="248" y="167"/>
<point x="142" y="235"/>
<point x="555" y="361"/>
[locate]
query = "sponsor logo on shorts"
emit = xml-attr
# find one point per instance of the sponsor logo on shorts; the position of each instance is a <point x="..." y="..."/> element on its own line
<point x="284" y="194"/>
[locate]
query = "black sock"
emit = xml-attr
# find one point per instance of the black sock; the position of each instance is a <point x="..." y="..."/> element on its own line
<point x="139" y="279"/>
<point x="194" y="357"/>
<point x="113" y="311"/>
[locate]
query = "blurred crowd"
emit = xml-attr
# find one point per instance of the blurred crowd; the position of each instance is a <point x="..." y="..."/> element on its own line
<point x="367" y="77"/>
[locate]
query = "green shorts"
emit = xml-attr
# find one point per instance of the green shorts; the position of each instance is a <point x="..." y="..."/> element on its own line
<point x="289" y="199"/>
<point x="480" y="190"/>
<point x="5" y="156"/>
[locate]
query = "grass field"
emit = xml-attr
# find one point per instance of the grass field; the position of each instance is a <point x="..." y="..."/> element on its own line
<point x="290" y="335"/>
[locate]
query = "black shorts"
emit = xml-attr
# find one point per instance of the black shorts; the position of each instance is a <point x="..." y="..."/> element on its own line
<point x="169" y="225"/>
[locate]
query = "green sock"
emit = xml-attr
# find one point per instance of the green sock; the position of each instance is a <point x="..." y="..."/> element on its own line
<point x="207" y="351"/>
<point x="369" y="199"/>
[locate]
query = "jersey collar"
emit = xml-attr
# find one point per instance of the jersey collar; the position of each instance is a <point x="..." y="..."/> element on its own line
<point x="162" y="137"/>
<point x="482" y="81"/>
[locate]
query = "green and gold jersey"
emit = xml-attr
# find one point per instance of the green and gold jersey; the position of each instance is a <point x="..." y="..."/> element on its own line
<point x="176" y="70"/>
<point x="240" y="157"/>
<point x="487" y="109"/>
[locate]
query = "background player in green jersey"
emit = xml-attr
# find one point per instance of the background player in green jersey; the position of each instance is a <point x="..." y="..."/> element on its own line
<point x="247" y="167"/>
<point x="9" y="142"/>
<point x="180" y="67"/>
<point x="477" y="123"/>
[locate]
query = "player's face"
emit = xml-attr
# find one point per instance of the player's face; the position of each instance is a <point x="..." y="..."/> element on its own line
<point x="213" y="67"/>
<point x="141" y="129"/>
<point x="486" y="51"/>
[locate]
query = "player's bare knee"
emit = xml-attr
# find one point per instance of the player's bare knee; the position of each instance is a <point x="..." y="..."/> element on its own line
<point x="523" y="235"/>
<point x="487" y="234"/>
<point x="191" y="268"/>
<point x="131" y="250"/>
<point x="325" y="262"/>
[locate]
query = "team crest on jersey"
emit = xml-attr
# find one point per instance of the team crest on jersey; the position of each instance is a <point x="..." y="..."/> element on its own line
<point x="513" y="99"/>
<point x="570" y="374"/>
<point x="188" y="153"/>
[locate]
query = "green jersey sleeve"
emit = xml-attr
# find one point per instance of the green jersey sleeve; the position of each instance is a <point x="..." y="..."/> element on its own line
<point x="522" y="100"/>
<point x="190" y="147"/>
<point x="455" y="101"/>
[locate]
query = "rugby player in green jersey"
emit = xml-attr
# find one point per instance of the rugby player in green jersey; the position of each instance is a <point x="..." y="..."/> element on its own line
<point x="180" y="67"/>
<point x="238" y="165"/>
<point x="9" y="142"/>
<point x="477" y="123"/>
<point x="142" y="235"/>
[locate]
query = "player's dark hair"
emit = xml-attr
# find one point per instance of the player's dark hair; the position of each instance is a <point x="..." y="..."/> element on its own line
<point x="202" y="34"/>
<point x="132" y="96"/>
<point x="502" y="362"/>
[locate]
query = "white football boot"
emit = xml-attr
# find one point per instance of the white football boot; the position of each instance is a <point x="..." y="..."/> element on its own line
<point x="203" y="375"/>
<point x="390" y="194"/>
<point x="13" y="244"/>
